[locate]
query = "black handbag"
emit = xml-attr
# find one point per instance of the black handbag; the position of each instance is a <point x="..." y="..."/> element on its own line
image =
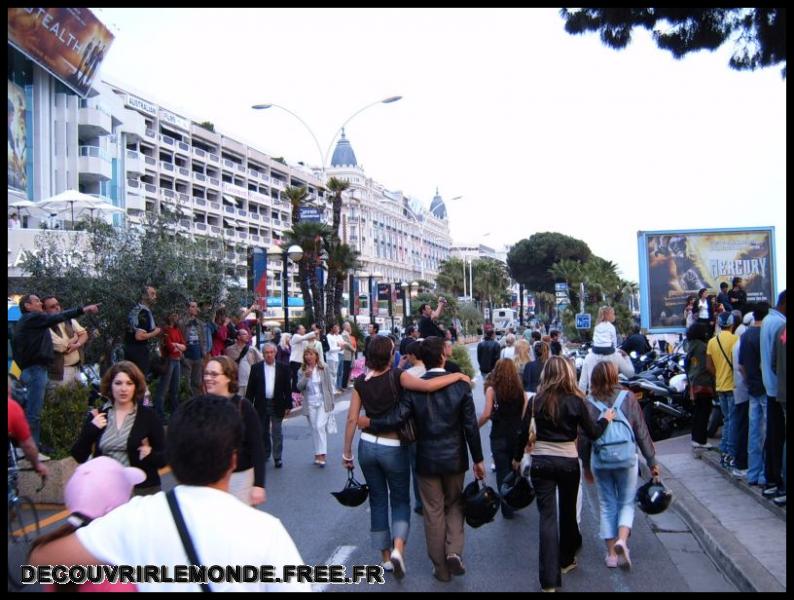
<point x="354" y="493"/>
<point x="407" y="430"/>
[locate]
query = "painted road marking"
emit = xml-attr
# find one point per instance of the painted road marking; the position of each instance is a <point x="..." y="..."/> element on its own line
<point x="340" y="556"/>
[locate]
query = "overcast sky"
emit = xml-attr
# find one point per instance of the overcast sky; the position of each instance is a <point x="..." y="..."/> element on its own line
<point x="538" y="130"/>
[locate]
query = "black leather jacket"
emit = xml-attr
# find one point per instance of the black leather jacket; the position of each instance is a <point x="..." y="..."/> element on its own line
<point x="487" y="354"/>
<point x="446" y="422"/>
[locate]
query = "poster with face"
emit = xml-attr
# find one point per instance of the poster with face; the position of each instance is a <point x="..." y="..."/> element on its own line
<point x="17" y="145"/>
<point x="677" y="264"/>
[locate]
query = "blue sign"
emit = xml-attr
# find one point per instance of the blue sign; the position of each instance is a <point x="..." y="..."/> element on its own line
<point x="561" y="287"/>
<point x="310" y="213"/>
<point x="583" y="321"/>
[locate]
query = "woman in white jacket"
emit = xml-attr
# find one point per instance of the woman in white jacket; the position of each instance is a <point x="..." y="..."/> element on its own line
<point x="317" y="387"/>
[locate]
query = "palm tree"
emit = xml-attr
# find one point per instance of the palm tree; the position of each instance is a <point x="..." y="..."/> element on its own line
<point x="309" y="235"/>
<point x="297" y="198"/>
<point x="341" y="260"/>
<point x="450" y="276"/>
<point x="337" y="186"/>
<point x="490" y="279"/>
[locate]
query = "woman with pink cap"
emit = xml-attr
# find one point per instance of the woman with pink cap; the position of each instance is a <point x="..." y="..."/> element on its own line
<point x="96" y="487"/>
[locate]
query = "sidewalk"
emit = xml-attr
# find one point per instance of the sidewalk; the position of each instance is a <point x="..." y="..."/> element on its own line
<point x="744" y="533"/>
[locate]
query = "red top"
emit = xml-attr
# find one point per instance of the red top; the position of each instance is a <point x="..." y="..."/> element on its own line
<point x="18" y="428"/>
<point x="173" y="335"/>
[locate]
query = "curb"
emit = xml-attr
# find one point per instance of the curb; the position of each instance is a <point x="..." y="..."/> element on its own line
<point x="741" y="567"/>
<point x="712" y="459"/>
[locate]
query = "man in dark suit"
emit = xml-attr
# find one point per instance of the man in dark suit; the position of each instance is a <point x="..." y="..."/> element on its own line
<point x="269" y="390"/>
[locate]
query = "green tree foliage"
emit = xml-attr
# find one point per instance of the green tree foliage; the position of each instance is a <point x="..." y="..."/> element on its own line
<point x="207" y="125"/>
<point x="529" y="260"/>
<point x="470" y="317"/>
<point x="450" y="276"/>
<point x="111" y="265"/>
<point x="758" y="35"/>
<point x="491" y="282"/>
<point x="460" y="354"/>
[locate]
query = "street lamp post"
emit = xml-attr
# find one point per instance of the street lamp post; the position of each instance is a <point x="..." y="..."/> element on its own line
<point x="405" y="285"/>
<point x="324" y="157"/>
<point x="294" y="253"/>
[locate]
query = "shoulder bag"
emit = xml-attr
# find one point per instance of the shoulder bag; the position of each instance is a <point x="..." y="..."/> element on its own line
<point x="184" y="534"/>
<point x="407" y="430"/>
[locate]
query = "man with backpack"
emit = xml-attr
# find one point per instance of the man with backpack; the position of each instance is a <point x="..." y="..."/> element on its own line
<point x="245" y="356"/>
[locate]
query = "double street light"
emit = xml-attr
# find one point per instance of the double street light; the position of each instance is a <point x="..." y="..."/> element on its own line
<point x="294" y="253"/>
<point x="324" y="157"/>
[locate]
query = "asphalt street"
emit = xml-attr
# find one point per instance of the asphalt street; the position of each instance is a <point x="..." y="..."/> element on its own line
<point x="499" y="556"/>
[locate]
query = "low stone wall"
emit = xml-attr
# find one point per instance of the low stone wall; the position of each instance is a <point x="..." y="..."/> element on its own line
<point x="59" y="473"/>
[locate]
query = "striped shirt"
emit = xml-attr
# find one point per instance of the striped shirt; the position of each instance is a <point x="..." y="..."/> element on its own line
<point x="114" y="440"/>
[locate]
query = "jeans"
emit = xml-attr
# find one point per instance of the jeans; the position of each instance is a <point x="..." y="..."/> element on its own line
<point x="277" y="444"/>
<point x="35" y="379"/>
<point x="502" y="451"/>
<point x="170" y="381"/>
<point x="756" y="435"/>
<point x="740" y="427"/>
<point x="728" y="441"/>
<point x="616" y="491"/>
<point x="558" y="543"/>
<point x="387" y="470"/>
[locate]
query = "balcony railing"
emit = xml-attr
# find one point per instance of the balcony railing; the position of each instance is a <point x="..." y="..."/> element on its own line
<point x="168" y="139"/>
<point x="199" y="176"/>
<point x="199" y="152"/>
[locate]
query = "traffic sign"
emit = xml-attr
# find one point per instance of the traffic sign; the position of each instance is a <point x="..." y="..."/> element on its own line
<point x="583" y="321"/>
<point x="561" y="287"/>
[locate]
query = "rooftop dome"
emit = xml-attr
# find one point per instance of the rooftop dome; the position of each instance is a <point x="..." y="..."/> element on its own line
<point x="437" y="207"/>
<point x="343" y="153"/>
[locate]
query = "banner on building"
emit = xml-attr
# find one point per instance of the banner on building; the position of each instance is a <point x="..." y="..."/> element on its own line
<point x="354" y="293"/>
<point x="384" y="296"/>
<point x="70" y="43"/>
<point x="17" y="142"/>
<point x="677" y="264"/>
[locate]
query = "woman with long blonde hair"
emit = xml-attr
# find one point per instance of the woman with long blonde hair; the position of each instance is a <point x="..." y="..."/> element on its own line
<point x="530" y="376"/>
<point x="559" y="411"/>
<point x="523" y="355"/>
<point x="314" y="382"/>
<point x="504" y="406"/>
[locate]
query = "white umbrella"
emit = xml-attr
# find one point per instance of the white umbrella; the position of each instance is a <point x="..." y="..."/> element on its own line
<point x="67" y="201"/>
<point x="103" y="208"/>
<point x="31" y="207"/>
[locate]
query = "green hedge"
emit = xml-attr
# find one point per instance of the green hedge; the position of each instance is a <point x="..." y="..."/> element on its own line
<point x="62" y="418"/>
<point x="460" y="354"/>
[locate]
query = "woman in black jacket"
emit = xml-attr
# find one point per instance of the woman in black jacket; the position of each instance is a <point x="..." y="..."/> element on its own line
<point x="559" y="411"/>
<point x="532" y="370"/>
<point x="123" y="428"/>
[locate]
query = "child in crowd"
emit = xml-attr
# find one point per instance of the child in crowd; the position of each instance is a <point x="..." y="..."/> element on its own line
<point x="605" y="337"/>
<point x="96" y="487"/>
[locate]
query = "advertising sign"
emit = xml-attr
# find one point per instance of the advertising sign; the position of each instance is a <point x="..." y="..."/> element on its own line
<point x="260" y="277"/>
<point x="384" y="296"/>
<point x="17" y="144"/>
<point x="677" y="264"/>
<point x="70" y="43"/>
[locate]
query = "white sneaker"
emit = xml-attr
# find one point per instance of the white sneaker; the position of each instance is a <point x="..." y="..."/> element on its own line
<point x="493" y="467"/>
<point x="387" y="566"/>
<point x="398" y="563"/>
<point x="705" y="446"/>
<point x="739" y="473"/>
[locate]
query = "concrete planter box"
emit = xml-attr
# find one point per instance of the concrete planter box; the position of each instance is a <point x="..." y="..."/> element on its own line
<point x="59" y="473"/>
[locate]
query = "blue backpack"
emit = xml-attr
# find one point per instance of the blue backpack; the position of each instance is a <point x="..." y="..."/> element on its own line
<point x="616" y="448"/>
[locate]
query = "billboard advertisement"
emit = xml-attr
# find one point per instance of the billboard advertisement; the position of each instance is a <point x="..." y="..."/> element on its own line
<point x="677" y="264"/>
<point x="17" y="144"/>
<point x="70" y="43"/>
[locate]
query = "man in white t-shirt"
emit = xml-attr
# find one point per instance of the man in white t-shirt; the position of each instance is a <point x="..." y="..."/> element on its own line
<point x="203" y="437"/>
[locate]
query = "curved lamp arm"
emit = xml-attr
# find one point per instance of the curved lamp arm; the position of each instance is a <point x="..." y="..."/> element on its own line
<point x="309" y="129"/>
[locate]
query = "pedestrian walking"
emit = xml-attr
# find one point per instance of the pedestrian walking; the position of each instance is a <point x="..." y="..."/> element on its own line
<point x="173" y="349"/>
<point x="701" y="383"/>
<point x="530" y="377"/>
<point x="332" y="357"/>
<point x="123" y="428"/>
<point x="194" y="331"/>
<point x="720" y="364"/>
<point x="68" y="340"/>
<point x="270" y="392"/>
<point x="204" y="437"/>
<point x="284" y="350"/>
<point x="298" y="343"/>
<point x="247" y="482"/>
<point x="617" y="484"/>
<point x="384" y="459"/>
<point x="559" y="411"/>
<point x="505" y="403"/>
<point x="488" y="351"/>
<point x="446" y="425"/>
<point x="314" y="382"/>
<point x="771" y="330"/>
<point x="245" y="356"/>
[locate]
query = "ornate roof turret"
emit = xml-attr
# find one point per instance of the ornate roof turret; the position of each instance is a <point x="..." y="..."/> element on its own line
<point x="343" y="153"/>
<point x="437" y="206"/>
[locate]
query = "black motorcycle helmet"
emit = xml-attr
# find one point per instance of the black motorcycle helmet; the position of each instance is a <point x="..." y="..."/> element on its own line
<point x="653" y="497"/>
<point x="354" y="493"/>
<point x="517" y="491"/>
<point x="480" y="505"/>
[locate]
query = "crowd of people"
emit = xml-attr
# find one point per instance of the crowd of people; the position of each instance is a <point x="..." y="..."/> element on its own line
<point x="417" y="421"/>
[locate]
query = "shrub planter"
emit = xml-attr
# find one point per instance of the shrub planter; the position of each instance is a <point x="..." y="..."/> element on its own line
<point x="59" y="473"/>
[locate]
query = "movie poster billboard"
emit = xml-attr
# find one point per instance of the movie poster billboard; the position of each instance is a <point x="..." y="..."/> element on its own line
<point x="70" y="43"/>
<point x="17" y="143"/>
<point x="677" y="264"/>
